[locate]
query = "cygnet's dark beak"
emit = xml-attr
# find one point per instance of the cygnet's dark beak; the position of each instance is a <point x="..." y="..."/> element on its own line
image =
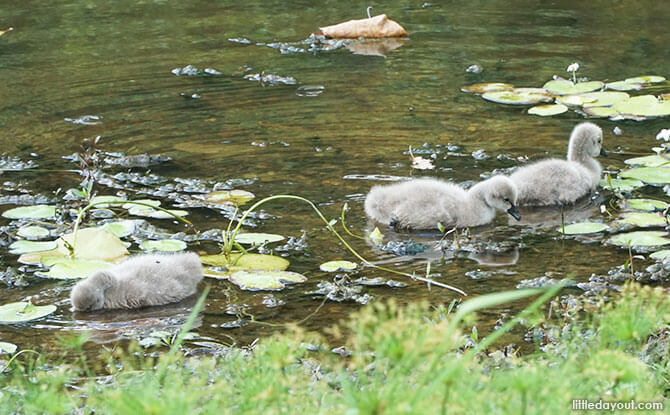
<point x="514" y="211"/>
<point x="603" y="152"/>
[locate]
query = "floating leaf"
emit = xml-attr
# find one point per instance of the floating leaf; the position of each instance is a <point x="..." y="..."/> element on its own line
<point x="548" y="110"/>
<point x="23" y="246"/>
<point x="148" y="212"/>
<point x="151" y="202"/>
<point x="640" y="238"/>
<point x="583" y="228"/>
<point x="643" y="219"/>
<point x="35" y="258"/>
<point x="2" y="32"/>
<point x="7" y="348"/>
<point x="376" y="236"/>
<point x="257" y="238"/>
<point x="653" y="160"/>
<point x="246" y="262"/>
<point x="662" y="254"/>
<point x="335" y="266"/>
<point x="265" y="280"/>
<point x="164" y="245"/>
<point x="94" y="243"/>
<point x="33" y="232"/>
<point x="601" y="112"/>
<point x="574" y="100"/>
<point x="644" y="105"/>
<point x="121" y="228"/>
<point x="105" y="198"/>
<point x="230" y="197"/>
<point x="604" y="98"/>
<point x="620" y="185"/>
<point x="646" y="204"/>
<point x="653" y="175"/>
<point x="31" y="212"/>
<point x="63" y="268"/>
<point x="486" y="87"/>
<point x="23" y="311"/>
<point x="645" y="79"/>
<point x="565" y="87"/>
<point x="518" y="96"/>
<point x="624" y="86"/>
<point x="379" y="26"/>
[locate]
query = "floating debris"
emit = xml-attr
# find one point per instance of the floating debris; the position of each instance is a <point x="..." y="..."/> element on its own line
<point x="271" y="79"/>
<point x="138" y="160"/>
<point x="11" y="163"/>
<point x="85" y="120"/>
<point x="402" y="248"/>
<point x="190" y="70"/>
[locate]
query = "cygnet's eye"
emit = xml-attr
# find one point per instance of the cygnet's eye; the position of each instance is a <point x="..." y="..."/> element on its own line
<point x="506" y="199"/>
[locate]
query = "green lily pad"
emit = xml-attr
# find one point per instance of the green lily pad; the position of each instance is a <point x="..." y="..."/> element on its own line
<point x="605" y="98"/>
<point x="653" y="160"/>
<point x="548" y="110"/>
<point x="601" y="112"/>
<point x="486" y="87"/>
<point x="583" y="228"/>
<point x="22" y="246"/>
<point x="23" y="311"/>
<point x="246" y="262"/>
<point x="646" y="204"/>
<point x="336" y="266"/>
<point x="121" y="228"/>
<point x="257" y="238"/>
<point x="574" y="100"/>
<point x="33" y="232"/>
<point x="565" y="87"/>
<point x="151" y="202"/>
<point x="230" y="197"/>
<point x="7" y="348"/>
<point x="640" y="239"/>
<point x="94" y="243"/>
<point x="662" y="254"/>
<point x="99" y="199"/>
<point x="518" y="96"/>
<point x="645" y="79"/>
<point x="164" y="245"/>
<point x="31" y="212"/>
<point x="621" y="185"/>
<point x="265" y="280"/>
<point x="644" y="105"/>
<point x="63" y="268"/>
<point x="653" y="175"/>
<point x="148" y="212"/>
<point x="643" y="219"/>
<point x="624" y="86"/>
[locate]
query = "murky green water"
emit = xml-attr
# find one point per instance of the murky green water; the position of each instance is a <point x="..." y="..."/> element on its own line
<point x="68" y="59"/>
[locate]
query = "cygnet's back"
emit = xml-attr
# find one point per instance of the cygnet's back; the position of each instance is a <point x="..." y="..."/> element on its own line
<point x="553" y="181"/>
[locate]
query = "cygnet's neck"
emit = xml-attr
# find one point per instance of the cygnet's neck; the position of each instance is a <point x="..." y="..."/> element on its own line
<point x="475" y="209"/>
<point x="577" y="152"/>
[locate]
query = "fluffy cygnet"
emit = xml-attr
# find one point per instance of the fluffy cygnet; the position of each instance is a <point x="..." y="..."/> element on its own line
<point x="140" y="281"/>
<point x="553" y="181"/>
<point x="423" y="203"/>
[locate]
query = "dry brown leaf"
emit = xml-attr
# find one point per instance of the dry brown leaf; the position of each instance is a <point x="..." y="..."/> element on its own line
<point x="2" y="32"/>
<point x="378" y="26"/>
<point x="419" y="162"/>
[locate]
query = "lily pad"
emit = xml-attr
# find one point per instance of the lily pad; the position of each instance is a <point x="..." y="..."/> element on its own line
<point x="164" y="245"/>
<point x="23" y="311"/>
<point x="120" y="228"/>
<point x="94" y="243"/>
<point x="601" y="112"/>
<point x="646" y="204"/>
<point x="604" y="98"/>
<point x="653" y="175"/>
<point x="265" y="280"/>
<point x="565" y="87"/>
<point x="151" y="202"/>
<point x="583" y="228"/>
<point x="33" y="232"/>
<point x="486" y="87"/>
<point x="63" y="268"/>
<point x="621" y="185"/>
<point x="104" y="198"/>
<point x="148" y="212"/>
<point x="640" y="239"/>
<point x="662" y="254"/>
<point x="644" y="105"/>
<point x="624" y="86"/>
<point x="257" y="238"/>
<point x="645" y="79"/>
<point x="335" y="266"/>
<point x="31" y="212"/>
<point x="518" y="96"/>
<point x="23" y="247"/>
<point x="230" y="197"/>
<point x="7" y="348"/>
<point x="574" y="100"/>
<point x="653" y="160"/>
<point x="643" y="219"/>
<point x="246" y="262"/>
<point x="548" y="110"/>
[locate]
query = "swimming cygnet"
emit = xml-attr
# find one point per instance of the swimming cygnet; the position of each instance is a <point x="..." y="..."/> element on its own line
<point x="554" y="181"/>
<point x="140" y="281"/>
<point x="423" y="203"/>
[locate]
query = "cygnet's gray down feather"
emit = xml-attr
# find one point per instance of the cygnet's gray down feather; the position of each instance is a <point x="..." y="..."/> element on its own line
<point x="551" y="181"/>
<point x="423" y="203"/>
<point x="140" y="281"/>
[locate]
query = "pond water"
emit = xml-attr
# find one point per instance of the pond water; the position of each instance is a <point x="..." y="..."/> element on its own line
<point x="344" y="125"/>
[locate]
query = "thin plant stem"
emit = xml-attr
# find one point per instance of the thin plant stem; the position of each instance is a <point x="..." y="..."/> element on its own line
<point x="17" y="355"/>
<point x="344" y="225"/>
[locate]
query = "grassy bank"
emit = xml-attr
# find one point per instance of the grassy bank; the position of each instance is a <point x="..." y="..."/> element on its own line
<point x="406" y="359"/>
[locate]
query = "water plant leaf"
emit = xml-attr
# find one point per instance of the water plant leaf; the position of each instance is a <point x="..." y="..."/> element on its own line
<point x="108" y="198"/>
<point x="9" y="29"/>
<point x="230" y="197"/>
<point x="121" y="228"/>
<point x="640" y="238"/>
<point x="565" y="87"/>
<point x="518" y="96"/>
<point x="643" y="219"/>
<point x="653" y="160"/>
<point x="645" y="79"/>
<point x="583" y="228"/>
<point x="265" y="280"/>
<point x="336" y="266"/>
<point x="646" y="204"/>
<point x="604" y="98"/>
<point x="63" y="268"/>
<point x="145" y="211"/>
<point x="23" y="247"/>
<point x="483" y="87"/>
<point x="7" y="348"/>
<point x="31" y="212"/>
<point x="644" y="105"/>
<point x="574" y="100"/>
<point x="238" y="261"/>
<point x="257" y="238"/>
<point x="152" y="202"/>
<point x="379" y="26"/>
<point x="653" y="175"/>
<point x="662" y="254"/>
<point x="35" y="258"/>
<point x="94" y="243"/>
<point x="23" y="311"/>
<point x="548" y="110"/>
<point x="621" y="185"/>
<point x="601" y="112"/>
<point x="624" y="86"/>
<point x="163" y="245"/>
<point x="33" y="232"/>
<point x="376" y="236"/>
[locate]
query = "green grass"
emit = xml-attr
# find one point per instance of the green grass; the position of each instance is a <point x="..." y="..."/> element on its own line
<point x="405" y="359"/>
